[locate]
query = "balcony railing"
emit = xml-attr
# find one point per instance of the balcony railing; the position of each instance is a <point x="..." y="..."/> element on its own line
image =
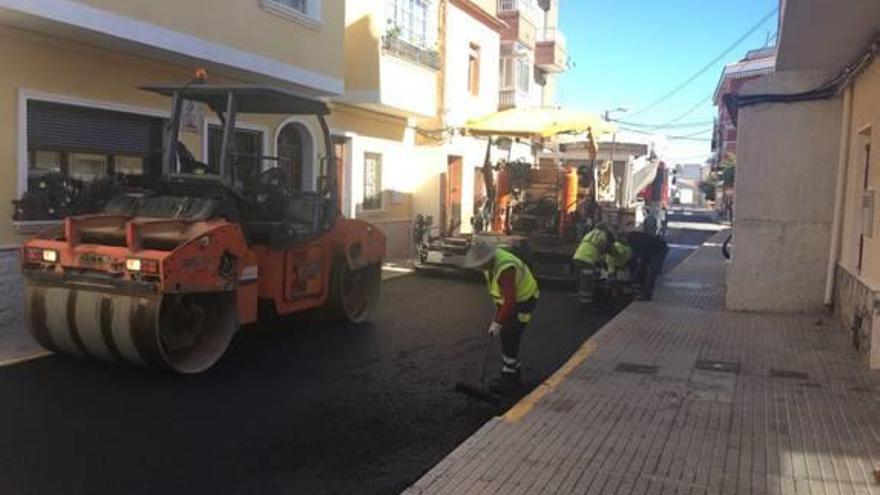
<point x="528" y="7"/>
<point x="511" y="98"/>
<point x="399" y="48"/>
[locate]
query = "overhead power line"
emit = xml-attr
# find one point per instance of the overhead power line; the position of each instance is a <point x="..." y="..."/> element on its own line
<point x="708" y="66"/>
<point x="687" y="137"/>
<point x="664" y="126"/>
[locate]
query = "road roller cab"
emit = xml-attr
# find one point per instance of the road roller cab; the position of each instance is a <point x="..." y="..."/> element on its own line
<point x="164" y="275"/>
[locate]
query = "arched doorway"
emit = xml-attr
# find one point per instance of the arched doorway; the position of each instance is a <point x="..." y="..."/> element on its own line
<point x="294" y="149"/>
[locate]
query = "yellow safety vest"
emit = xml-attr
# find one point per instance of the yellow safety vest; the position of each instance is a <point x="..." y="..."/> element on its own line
<point x="588" y="250"/>
<point x="526" y="285"/>
<point x="618" y="256"/>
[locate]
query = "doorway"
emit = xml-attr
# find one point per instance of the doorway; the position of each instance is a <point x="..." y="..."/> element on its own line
<point x="451" y="208"/>
<point x="867" y="208"/>
<point x="340" y="154"/>
<point x="295" y="149"/>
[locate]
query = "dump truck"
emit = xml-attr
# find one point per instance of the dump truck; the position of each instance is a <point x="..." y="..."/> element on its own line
<point x="163" y="276"/>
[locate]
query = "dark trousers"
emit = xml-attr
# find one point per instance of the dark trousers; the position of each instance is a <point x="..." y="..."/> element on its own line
<point x="586" y="276"/>
<point x="652" y="269"/>
<point x="513" y="329"/>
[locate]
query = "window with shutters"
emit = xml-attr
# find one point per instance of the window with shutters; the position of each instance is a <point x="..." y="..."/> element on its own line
<point x="372" y="181"/>
<point x="85" y="143"/>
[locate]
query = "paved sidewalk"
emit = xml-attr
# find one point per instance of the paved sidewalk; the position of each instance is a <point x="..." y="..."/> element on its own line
<point x="679" y="396"/>
<point x="15" y="342"/>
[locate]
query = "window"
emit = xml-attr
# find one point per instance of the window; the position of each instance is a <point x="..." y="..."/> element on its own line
<point x="128" y="165"/>
<point x="87" y="166"/>
<point x="408" y="20"/>
<point x="515" y="74"/>
<point x="296" y="10"/>
<point x="247" y="147"/>
<point x="85" y="143"/>
<point x="474" y="69"/>
<point x="372" y="181"/>
<point x="523" y="74"/>
<point x="45" y="161"/>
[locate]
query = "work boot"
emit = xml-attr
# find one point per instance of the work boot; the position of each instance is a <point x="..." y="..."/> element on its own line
<point x="509" y="383"/>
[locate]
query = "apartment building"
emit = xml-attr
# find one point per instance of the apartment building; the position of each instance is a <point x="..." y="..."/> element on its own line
<point x="424" y="68"/>
<point x="806" y="224"/>
<point x="753" y="65"/>
<point x="69" y="101"/>
<point x="402" y="76"/>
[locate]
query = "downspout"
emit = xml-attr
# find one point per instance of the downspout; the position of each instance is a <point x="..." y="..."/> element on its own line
<point x="839" y="195"/>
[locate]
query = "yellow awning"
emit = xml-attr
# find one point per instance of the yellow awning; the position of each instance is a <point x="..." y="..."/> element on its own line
<point x="538" y="122"/>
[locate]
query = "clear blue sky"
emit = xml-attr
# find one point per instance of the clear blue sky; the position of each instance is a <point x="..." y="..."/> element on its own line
<point x="629" y="53"/>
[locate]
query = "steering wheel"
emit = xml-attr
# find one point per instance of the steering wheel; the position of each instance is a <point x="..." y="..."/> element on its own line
<point x="275" y="176"/>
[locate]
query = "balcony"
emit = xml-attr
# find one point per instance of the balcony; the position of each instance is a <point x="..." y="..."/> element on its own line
<point x="521" y="17"/>
<point x="529" y="8"/>
<point x="392" y="45"/>
<point x="513" y="98"/>
<point x="551" y="54"/>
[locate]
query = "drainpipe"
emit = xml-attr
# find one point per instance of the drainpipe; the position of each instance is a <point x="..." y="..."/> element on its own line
<point x="839" y="194"/>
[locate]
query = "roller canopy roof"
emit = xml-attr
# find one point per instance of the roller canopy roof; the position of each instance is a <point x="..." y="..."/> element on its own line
<point x="538" y="122"/>
<point x="248" y="99"/>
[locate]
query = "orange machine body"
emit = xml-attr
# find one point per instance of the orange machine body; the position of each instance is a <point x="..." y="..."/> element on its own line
<point x="504" y="192"/>
<point x="568" y="199"/>
<point x="154" y="257"/>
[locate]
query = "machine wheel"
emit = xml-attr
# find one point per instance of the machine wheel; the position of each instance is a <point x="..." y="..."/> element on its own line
<point x="354" y="293"/>
<point x="195" y="329"/>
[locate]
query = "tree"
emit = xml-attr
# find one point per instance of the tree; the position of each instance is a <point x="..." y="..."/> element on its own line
<point x="707" y="187"/>
<point x="728" y="175"/>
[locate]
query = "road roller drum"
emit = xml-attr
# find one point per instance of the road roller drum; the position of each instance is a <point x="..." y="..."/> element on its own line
<point x="183" y="333"/>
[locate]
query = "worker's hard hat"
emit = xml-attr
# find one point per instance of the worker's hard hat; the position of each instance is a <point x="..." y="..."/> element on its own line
<point x="479" y="254"/>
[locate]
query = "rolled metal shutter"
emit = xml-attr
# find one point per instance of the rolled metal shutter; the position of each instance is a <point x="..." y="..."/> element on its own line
<point x="72" y="128"/>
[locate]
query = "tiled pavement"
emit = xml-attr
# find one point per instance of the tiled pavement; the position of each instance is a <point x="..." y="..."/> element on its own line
<point x="679" y="396"/>
<point x="15" y="342"/>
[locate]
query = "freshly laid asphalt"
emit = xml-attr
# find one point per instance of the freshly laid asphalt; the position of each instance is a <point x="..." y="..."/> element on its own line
<point x="296" y="407"/>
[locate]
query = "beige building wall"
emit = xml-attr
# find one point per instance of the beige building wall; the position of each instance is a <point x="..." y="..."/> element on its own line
<point x="856" y="294"/>
<point x="250" y="25"/>
<point x="865" y="129"/>
<point x="72" y="72"/>
<point x="787" y="155"/>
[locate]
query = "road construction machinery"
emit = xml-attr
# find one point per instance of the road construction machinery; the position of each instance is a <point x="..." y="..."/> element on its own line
<point x="164" y="276"/>
<point x="534" y="209"/>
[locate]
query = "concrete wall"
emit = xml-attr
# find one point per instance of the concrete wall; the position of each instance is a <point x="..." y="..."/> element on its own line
<point x="787" y="156"/>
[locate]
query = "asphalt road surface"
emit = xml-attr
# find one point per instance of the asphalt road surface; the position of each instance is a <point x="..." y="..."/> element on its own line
<point x="298" y="407"/>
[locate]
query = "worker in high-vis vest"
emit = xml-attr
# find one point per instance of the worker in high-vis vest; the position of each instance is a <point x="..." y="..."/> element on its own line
<point x="617" y="258"/>
<point x="589" y="260"/>
<point x="514" y="291"/>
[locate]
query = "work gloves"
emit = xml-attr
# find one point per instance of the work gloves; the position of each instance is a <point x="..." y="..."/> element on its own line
<point x="495" y="329"/>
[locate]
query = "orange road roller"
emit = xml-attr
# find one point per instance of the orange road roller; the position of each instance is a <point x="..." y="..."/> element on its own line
<point x="168" y="271"/>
